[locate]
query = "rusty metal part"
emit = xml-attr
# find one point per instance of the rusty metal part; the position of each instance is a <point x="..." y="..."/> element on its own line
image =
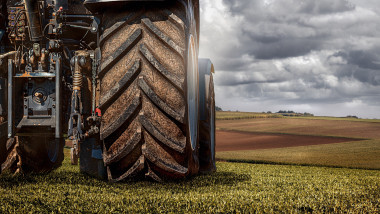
<point x="2" y="56"/>
<point x="35" y="74"/>
<point x="74" y="156"/>
<point x="10" y="99"/>
<point x="43" y="59"/>
<point x="81" y="63"/>
<point x="77" y="79"/>
<point x="34" y="19"/>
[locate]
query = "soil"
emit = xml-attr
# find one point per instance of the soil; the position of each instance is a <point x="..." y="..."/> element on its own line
<point x="234" y="141"/>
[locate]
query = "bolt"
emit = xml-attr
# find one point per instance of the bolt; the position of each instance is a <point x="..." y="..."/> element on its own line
<point x="53" y="105"/>
<point x="25" y="106"/>
<point x="39" y="95"/>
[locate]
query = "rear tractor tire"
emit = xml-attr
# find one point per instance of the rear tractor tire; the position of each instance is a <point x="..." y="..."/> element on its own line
<point x="149" y="91"/>
<point x="31" y="154"/>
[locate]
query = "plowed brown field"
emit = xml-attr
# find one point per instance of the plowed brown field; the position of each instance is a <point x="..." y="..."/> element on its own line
<point x="334" y="128"/>
<point x="235" y="141"/>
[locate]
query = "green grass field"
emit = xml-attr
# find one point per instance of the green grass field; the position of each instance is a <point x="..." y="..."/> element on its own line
<point x="235" y="187"/>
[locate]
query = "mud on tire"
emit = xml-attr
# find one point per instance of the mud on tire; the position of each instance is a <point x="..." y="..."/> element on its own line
<point x="144" y="87"/>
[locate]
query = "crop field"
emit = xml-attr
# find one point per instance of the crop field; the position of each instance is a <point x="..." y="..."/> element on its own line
<point x="230" y="115"/>
<point x="358" y="154"/>
<point x="227" y="115"/>
<point x="266" y="165"/>
<point x="235" y="187"/>
<point x="333" y="128"/>
<point x="337" y="142"/>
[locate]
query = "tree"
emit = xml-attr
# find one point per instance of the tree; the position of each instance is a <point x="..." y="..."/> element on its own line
<point x="217" y="108"/>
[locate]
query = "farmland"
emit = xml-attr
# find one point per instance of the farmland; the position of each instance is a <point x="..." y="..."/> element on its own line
<point x="235" y="187"/>
<point x="291" y="165"/>
<point x="361" y="148"/>
<point x="230" y="115"/>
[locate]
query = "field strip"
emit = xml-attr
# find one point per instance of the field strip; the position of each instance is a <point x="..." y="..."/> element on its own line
<point x="337" y="119"/>
<point x="255" y="115"/>
<point x="238" y="140"/>
<point x="355" y="154"/>
<point x="287" y="133"/>
<point x="355" y="130"/>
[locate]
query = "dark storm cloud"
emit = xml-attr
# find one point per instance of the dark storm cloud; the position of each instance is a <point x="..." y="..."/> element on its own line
<point x="299" y="53"/>
<point x="295" y="6"/>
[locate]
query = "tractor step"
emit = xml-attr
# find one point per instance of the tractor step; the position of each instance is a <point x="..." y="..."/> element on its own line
<point x="91" y="159"/>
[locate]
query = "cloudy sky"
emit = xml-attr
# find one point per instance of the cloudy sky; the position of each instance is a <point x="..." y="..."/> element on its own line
<point x="321" y="57"/>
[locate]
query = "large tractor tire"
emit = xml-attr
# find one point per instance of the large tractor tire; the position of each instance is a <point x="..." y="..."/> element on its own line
<point x="32" y="154"/>
<point x="149" y="91"/>
<point x="207" y="118"/>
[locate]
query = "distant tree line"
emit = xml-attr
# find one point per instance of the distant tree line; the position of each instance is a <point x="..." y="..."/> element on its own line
<point x="217" y="108"/>
<point x="294" y="114"/>
<point x="282" y="112"/>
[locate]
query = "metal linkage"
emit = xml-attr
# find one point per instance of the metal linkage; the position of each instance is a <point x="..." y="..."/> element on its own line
<point x="80" y="63"/>
<point x="10" y="98"/>
<point x="58" y="97"/>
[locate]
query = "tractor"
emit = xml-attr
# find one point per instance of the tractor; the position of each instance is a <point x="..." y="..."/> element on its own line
<point x="119" y="82"/>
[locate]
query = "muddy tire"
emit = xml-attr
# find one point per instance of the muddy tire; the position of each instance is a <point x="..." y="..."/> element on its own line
<point x="31" y="154"/>
<point x="149" y="91"/>
<point x="207" y="120"/>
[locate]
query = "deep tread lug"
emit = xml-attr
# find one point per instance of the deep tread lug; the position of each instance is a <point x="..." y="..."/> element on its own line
<point x="163" y="37"/>
<point x="175" y="19"/>
<point x="178" y="146"/>
<point x="153" y="154"/>
<point x="124" y="151"/>
<point x="123" y="49"/>
<point x="10" y="143"/>
<point x="158" y="102"/>
<point x="11" y="159"/>
<point x="178" y="82"/>
<point x="122" y="118"/>
<point x="115" y="27"/>
<point x="153" y="175"/>
<point x="121" y="85"/>
<point x="137" y="167"/>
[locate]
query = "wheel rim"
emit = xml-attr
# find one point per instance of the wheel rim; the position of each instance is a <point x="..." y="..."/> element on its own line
<point x="192" y="88"/>
<point x="53" y="149"/>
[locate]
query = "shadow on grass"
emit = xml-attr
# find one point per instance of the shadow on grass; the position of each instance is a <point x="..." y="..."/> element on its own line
<point x="74" y="178"/>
